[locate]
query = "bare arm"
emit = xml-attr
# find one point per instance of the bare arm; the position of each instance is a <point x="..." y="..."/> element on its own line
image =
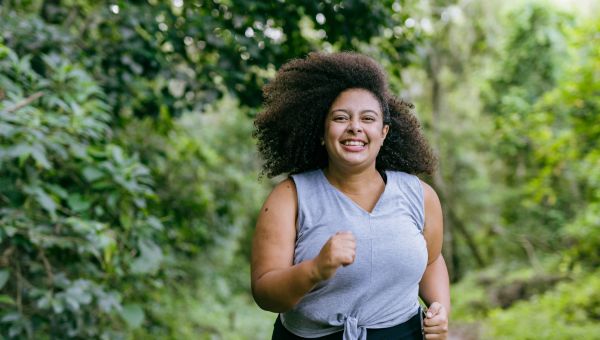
<point x="435" y="284"/>
<point x="278" y="284"/>
<point x="434" y="288"/>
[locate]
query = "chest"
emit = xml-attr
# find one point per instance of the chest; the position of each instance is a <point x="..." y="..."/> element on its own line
<point x="367" y="199"/>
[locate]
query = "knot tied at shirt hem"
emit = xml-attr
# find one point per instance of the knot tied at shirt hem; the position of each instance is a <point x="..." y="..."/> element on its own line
<point x="352" y="330"/>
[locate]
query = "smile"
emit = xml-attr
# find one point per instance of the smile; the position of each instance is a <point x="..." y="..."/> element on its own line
<point x="353" y="143"/>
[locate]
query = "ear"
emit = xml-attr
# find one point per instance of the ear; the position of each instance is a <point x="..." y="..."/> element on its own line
<point x="386" y="129"/>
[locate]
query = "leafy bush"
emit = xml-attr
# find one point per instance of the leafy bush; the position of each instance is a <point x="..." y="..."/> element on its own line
<point x="77" y="239"/>
<point x="567" y="312"/>
<point x="205" y="168"/>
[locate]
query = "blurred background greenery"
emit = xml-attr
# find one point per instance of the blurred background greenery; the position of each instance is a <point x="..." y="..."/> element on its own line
<point x="129" y="181"/>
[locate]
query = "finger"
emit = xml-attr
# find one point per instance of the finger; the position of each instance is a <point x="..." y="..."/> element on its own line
<point x="343" y="243"/>
<point x="347" y="262"/>
<point x="348" y="258"/>
<point x="439" y="329"/>
<point x="434" y="309"/>
<point x="345" y="238"/>
<point x="340" y="249"/>
<point x="439" y="319"/>
<point x="435" y="336"/>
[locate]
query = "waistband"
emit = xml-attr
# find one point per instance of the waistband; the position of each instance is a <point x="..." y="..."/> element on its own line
<point x="410" y="329"/>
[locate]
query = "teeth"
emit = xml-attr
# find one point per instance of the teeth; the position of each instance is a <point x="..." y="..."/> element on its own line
<point x="353" y="143"/>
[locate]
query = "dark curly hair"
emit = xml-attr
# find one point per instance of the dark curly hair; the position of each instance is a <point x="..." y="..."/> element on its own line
<point x="296" y="102"/>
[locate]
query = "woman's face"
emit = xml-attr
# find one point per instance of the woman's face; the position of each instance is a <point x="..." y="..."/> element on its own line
<point x="354" y="129"/>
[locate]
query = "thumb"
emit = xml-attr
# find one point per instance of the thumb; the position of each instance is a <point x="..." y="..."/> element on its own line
<point x="434" y="309"/>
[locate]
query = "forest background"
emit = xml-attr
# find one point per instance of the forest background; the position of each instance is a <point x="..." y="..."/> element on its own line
<point x="129" y="180"/>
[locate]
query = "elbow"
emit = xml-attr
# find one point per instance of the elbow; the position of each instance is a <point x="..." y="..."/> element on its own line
<point x="265" y="302"/>
<point x="272" y="307"/>
<point x="269" y="306"/>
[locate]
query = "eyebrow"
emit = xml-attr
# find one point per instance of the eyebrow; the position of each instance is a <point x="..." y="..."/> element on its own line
<point x="349" y="111"/>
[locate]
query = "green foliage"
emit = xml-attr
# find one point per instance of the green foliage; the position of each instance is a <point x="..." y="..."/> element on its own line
<point x="216" y="306"/>
<point x="153" y="54"/>
<point x="74" y="205"/>
<point x="524" y="133"/>
<point x="548" y="143"/>
<point x="128" y="174"/>
<point x="569" y="311"/>
<point x="205" y="169"/>
<point x="522" y="76"/>
<point x="78" y="239"/>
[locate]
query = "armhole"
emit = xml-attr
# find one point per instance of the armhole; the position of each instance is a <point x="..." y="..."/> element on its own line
<point x="299" y="214"/>
<point x="410" y="185"/>
<point x="421" y="204"/>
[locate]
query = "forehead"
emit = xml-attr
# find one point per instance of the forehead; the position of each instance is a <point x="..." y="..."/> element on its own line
<point x="356" y="100"/>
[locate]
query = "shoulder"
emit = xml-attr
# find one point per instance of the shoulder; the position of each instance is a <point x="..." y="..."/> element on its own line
<point x="430" y="197"/>
<point x="279" y="209"/>
<point x="284" y="192"/>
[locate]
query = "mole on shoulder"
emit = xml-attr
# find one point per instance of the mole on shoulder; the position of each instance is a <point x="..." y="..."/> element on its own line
<point x="266" y="209"/>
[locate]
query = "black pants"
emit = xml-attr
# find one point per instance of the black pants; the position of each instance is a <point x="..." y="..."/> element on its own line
<point x="409" y="330"/>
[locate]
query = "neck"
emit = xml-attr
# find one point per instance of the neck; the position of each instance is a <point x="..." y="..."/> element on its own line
<point x="353" y="181"/>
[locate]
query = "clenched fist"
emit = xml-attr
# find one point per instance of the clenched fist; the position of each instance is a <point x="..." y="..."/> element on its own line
<point x="339" y="250"/>
<point x="436" y="323"/>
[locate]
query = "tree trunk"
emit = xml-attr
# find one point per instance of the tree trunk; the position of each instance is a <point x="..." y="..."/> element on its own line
<point x="451" y="220"/>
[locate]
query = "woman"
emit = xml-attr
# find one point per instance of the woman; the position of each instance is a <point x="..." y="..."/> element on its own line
<point x="344" y="248"/>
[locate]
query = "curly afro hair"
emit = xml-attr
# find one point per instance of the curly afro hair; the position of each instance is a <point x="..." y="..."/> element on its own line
<point x="296" y="102"/>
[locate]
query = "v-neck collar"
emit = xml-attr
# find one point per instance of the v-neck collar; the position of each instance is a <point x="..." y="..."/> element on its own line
<point x="350" y="200"/>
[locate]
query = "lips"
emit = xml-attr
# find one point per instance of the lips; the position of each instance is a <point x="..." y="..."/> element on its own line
<point x="353" y="145"/>
<point x="353" y="142"/>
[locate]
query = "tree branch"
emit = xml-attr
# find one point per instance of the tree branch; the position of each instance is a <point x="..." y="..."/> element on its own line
<point x="47" y="266"/>
<point x="25" y="102"/>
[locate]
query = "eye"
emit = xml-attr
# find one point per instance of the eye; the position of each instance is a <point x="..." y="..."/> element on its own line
<point x="369" y="119"/>
<point x="340" y="118"/>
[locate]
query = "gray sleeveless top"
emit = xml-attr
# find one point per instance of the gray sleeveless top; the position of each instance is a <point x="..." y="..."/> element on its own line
<point x="380" y="289"/>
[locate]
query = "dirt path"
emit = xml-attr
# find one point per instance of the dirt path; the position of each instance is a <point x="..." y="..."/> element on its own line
<point x="464" y="332"/>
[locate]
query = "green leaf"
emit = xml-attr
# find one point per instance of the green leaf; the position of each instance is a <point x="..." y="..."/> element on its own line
<point x="133" y="315"/>
<point x="15" y="330"/>
<point x="10" y="317"/>
<point x="45" y="201"/>
<point x="117" y="154"/>
<point x="149" y="260"/>
<point x="5" y="299"/>
<point x="57" y="306"/>
<point x="39" y="154"/>
<point x="91" y="174"/>
<point x="7" y="130"/>
<point x="4" y="275"/>
<point x="57" y="190"/>
<point x="19" y="151"/>
<point x="77" y="203"/>
<point x="10" y="231"/>
<point x="155" y="223"/>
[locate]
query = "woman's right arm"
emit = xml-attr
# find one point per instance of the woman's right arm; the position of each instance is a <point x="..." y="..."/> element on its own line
<point x="278" y="284"/>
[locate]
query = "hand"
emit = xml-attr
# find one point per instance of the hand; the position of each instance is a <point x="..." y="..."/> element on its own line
<point x="339" y="250"/>
<point x="436" y="322"/>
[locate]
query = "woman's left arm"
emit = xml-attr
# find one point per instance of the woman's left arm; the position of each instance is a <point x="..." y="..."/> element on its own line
<point x="434" y="288"/>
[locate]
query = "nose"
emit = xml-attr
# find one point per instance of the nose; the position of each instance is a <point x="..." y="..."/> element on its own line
<point x="355" y="125"/>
